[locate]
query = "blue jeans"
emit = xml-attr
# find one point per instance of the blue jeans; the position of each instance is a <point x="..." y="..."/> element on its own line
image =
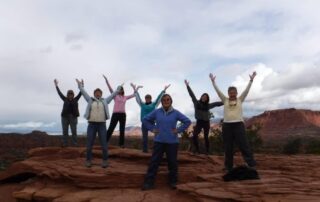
<point x="144" y="138"/>
<point x="159" y="149"/>
<point x="93" y="128"/>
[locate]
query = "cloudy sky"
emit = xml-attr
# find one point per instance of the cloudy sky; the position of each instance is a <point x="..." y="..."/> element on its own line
<point x="154" y="43"/>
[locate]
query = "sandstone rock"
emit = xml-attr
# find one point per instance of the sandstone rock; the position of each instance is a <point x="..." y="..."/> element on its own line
<point x="62" y="177"/>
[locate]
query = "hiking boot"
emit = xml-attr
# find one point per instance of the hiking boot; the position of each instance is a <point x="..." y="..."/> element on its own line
<point x="104" y="164"/>
<point x="88" y="164"/>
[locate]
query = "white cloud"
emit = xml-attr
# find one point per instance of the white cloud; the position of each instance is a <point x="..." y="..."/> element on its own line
<point x="29" y="124"/>
<point x="154" y="43"/>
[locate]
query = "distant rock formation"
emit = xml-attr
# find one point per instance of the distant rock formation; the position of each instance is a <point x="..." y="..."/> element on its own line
<point x="286" y="123"/>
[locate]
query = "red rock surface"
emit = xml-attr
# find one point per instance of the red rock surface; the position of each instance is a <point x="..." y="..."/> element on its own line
<point x="61" y="177"/>
<point x="284" y="123"/>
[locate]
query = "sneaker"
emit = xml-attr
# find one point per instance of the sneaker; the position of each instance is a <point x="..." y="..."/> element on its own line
<point x="147" y="186"/>
<point x="104" y="164"/>
<point x="88" y="163"/>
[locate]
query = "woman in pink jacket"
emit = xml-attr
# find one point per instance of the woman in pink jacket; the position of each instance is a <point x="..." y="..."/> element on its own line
<point x="119" y="113"/>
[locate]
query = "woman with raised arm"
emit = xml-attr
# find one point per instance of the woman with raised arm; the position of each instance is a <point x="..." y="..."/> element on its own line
<point x="163" y="123"/>
<point x="119" y="113"/>
<point x="97" y="113"/>
<point x="69" y="115"/>
<point x="202" y="114"/>
<point x="233" y="128"/>
<point x="146" y="108"/>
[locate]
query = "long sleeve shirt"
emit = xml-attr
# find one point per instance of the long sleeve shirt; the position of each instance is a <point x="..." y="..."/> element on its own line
<point x="70" y="107"/>
<point x="165" y="122"/>
<point x="147" y="108"/>
<point x="233" y="109"/>
<point x="120" y="103"/>
<point x="90" y="101"/>
<point x="202" y="110"/>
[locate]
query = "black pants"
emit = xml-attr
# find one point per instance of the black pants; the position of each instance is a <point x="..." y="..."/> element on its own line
<point x="115" y="118"/>
<point x="234" y="133"/>
<point x="159" y="149"/>
<point x="72" y="121"/>
<point x="205" y="125"/>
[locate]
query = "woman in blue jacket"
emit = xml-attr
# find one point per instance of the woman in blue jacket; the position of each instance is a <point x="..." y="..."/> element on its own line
<point x="163" y="123"/>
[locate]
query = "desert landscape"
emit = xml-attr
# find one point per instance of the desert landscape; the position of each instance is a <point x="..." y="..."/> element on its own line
<point x="34" y="167"/>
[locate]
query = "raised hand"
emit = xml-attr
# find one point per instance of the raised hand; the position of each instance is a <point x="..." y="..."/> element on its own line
<point x="139" y="87"/>
<point x="186" y="82"/>
<point x="55" y="82"/>
<point x="166" y="87"/>
<point x="79" y="82"/>
<point x="212" y="77"/>
<point x="253" y="75"/>
<point x="133" y="86"/>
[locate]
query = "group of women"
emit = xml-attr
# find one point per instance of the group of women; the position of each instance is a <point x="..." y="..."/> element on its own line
<point x="161" y="121"/>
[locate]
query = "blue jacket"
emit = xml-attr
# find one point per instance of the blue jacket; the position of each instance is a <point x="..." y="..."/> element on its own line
<point x="105" y="102"/>
<point x="147" y="108"/>
<point x="165" y="122"/>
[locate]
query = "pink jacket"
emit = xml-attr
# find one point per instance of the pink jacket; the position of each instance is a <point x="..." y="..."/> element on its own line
<point x="120" y="103"/>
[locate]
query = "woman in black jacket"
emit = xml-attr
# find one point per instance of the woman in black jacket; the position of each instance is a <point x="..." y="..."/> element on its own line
<point x="202" y="114"/>
<point x="69" y="115"/>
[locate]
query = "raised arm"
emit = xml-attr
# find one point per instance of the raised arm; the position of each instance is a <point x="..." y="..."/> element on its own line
<point x="79" y="94"/>
<point x="82" y="90"/>
<point x="58" y="90"/>
<point x="136" y="93"/>
<point x="158" y="100"/>
<point x="108" y="84"/>
<point x="220" y="94"/>
<point x="215" y="104"/>
<point x="193" y="97"/>
<point x="246" y="91"/>
<point x="110" y="97"/>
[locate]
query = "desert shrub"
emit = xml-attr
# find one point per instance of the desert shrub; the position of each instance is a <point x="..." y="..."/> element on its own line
<point x="313" y="146"/>
<point x="216" y="142"/>
<point x="254" y="137"/>
<point x="293" y="146"/>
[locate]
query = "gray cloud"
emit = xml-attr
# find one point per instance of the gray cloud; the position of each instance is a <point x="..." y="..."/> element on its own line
<point x="154" y="43"/>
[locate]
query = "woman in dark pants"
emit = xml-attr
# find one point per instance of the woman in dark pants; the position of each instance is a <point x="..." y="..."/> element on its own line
<point x="202" y="114"/>
<point x="233" y="129"/>
<point x="119" y="113"/>
<point x="69" y="115"/>
<point x="163" y="123"/>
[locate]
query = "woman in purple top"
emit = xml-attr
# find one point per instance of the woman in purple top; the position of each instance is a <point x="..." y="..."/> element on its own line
<point x="119" y="113"/>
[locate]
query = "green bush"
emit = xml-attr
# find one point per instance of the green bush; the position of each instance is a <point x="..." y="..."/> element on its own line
<point x="216" y="142"/>
<point x="254" y="137"/>
<point x="313" y="146"/>
<point x="293" y="146"/>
